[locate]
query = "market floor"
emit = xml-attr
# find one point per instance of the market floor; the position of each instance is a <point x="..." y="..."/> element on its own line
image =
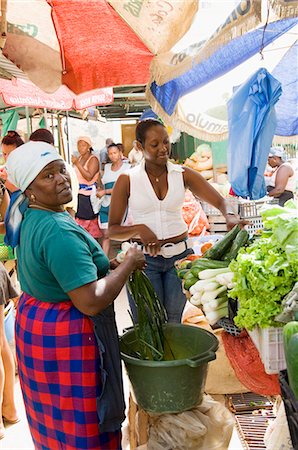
<point x="17" y="437"/>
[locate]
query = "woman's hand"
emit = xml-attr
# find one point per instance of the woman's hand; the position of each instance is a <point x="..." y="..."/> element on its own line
<point x="3" y="174"/>
<point x="149" y="239"/>
<point x="100" y="193"/>
<point x="74" y="160"/>
<point x="114" y="263"/>
<point x="136" y="257"/>
<point x="232" y="220"/>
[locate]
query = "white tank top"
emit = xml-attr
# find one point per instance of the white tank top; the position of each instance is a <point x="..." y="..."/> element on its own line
<point x="291" y="184"/>
<point x="163" y="217"/>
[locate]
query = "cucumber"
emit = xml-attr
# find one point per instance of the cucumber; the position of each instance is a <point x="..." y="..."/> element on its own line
<point x="292" y="363"/>
<point x="289" y="330"/>
<point x="221" y="247"/>
<point x="290" y="335"/>
<point x="239" y="241"/>
<point x="189" y="282"/>
<point x="182" y="272"/>
<point x="208" y="264"/>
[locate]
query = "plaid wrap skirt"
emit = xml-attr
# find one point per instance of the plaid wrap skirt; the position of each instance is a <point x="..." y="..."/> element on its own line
<point x="59" y="370"/>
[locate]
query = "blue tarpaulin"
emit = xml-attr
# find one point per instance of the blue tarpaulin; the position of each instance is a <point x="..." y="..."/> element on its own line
<point x="252" y="123"/>
<point x="220" y="62"/>
<point x="287" y="108"/>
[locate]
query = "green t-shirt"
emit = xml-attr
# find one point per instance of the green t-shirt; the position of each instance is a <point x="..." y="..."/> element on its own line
<point x="55" y="256"/>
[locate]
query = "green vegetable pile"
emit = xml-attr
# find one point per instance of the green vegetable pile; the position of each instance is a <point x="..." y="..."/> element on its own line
<point x="267" y="270"/>
<point x="151" y="318"/>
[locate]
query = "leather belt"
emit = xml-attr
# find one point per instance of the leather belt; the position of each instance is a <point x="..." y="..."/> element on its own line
<point x="170" y="249"/>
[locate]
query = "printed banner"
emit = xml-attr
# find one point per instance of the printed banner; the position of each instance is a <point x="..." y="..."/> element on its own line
<point x="167" y="66"/>
<point x="25" y="93"/>
<point x="158" y="23"/>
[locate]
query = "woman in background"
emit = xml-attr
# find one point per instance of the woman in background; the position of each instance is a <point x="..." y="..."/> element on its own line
<point x="87" y="170"/>
<point x="111" y="174"/>
<point x="9" y="143"/>
<point x="8" y="412"/>
<point x="282" y="182"/>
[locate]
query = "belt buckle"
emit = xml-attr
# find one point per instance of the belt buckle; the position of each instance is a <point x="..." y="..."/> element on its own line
<point x="167" y="250"/>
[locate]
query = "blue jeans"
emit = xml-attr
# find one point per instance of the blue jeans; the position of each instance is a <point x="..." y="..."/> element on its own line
<point x="162" y="274"/>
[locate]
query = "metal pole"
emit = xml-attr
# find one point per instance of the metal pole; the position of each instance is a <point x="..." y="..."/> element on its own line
<point x="45" y="114"/>
<point x="28" y="122"/>
<point x="67" y="137"/>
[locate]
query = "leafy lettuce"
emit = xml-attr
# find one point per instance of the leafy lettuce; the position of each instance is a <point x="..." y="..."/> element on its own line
<point x="267" y="270"/>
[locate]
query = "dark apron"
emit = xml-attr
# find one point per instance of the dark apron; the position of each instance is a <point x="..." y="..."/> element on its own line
<point x="110" y="403"/>
<point x="282" y="198"/>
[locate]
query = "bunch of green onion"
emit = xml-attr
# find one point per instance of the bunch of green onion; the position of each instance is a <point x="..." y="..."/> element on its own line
<point x="152" y="316"/>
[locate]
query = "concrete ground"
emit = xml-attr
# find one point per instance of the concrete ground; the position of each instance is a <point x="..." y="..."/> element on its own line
<point x="17" y="437"/>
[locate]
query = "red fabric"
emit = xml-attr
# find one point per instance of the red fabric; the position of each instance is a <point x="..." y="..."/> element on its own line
<point x="247" y="364"/>
<point x="98" y="47"/>
<point x="231" y="192"/>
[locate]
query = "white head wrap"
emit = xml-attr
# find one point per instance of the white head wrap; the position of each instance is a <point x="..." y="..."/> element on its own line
<point x="27" y="161"/>
<point x="23" y="165"/>
<point x="277" y="151"/>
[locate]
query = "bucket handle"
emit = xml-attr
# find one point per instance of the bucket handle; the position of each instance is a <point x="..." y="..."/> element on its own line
<point x="201" y="359"/>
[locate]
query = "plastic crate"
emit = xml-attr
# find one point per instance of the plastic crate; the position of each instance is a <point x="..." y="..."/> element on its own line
<point x="291" y="407"/>
<point x="252" y="209"/>
<point x="269" y="342"/>
<point x="211" y="211"/>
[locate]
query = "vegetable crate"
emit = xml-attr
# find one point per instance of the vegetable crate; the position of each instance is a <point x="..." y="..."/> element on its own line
<point x="269" y="342"/>
<point x="211" y="211"/>
<point x="291" y="407"/>
<point x="251" y="211"/>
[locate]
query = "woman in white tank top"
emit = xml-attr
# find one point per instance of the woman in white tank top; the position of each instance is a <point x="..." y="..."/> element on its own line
<point x="282" y="181"/>
<point x="154" y="193"/>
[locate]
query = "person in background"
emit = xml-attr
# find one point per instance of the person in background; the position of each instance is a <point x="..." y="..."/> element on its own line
<point x="4" y="202"/>
<point x="87" y="169"/>
<point x="111" y="173"/>
<point x="122" y="151"/>
<point x="65" y="316"/>
<point x="103" y="155"/>
<point x="8" y="412"/>
<point x="282" y="182"/>
<point x="135" y="156"/>
<point x="154" y="193"/>
<point x="44" y="135"/>
<point x="9" y="143"/>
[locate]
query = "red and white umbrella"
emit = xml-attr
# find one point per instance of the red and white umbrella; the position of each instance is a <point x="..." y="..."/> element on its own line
<point x="90" y="44"/>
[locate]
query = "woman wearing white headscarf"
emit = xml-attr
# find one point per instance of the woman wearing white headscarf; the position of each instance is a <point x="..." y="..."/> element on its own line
<point x="64" y="277"/>
<point x="282" y="182"/>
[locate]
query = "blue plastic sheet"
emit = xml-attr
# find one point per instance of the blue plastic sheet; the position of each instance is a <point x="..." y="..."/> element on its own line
<point x="252" y="123"/>
<point x="220" y="62"/>
<point x="286" y="109"/>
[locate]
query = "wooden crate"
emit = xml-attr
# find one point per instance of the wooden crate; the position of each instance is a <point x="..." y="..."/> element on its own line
<point x="217" y="224"/>
<point x="138" y="424"/>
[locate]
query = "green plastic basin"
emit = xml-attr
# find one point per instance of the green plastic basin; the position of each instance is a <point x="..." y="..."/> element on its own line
<point x="173" y="385"/>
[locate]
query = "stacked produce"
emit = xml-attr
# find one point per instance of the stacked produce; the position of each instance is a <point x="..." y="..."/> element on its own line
<point x="267" y="270"/>
<point x="209" y="278"/>
<point x="194" y="215"/>
<point x="201" y="161"/>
